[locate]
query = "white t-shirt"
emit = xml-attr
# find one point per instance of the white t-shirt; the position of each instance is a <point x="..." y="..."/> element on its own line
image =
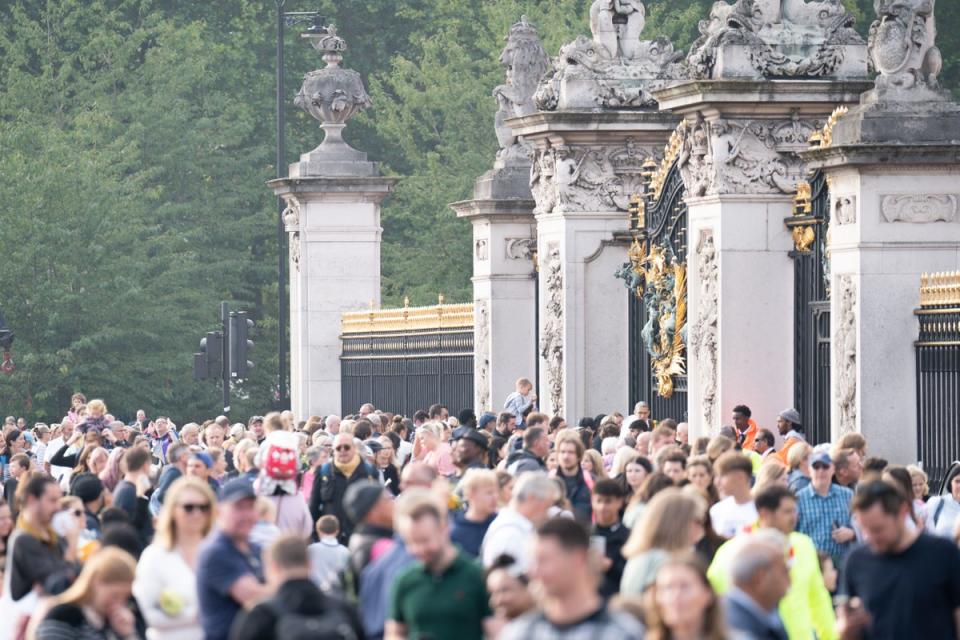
<point x="59" y="473"/>
<point x="729" y="518"/>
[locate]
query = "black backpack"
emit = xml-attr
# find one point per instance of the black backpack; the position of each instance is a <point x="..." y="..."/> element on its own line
<point x="333" y="624"/>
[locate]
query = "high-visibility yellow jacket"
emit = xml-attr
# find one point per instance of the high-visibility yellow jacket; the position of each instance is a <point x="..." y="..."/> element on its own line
<point x="807" y="609"/>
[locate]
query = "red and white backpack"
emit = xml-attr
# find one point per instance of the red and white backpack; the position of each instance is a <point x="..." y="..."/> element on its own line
<point x="280" y="461"/>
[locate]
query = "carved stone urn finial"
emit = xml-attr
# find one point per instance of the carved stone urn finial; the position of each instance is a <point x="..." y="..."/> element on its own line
<point x="332" y="95"/>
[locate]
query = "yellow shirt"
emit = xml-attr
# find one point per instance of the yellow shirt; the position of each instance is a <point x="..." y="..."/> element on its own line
<point x="807" y="609"/>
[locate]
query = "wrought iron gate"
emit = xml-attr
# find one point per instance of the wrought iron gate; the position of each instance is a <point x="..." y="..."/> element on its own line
<point x="656" y="277"/>
<point x="938" y="375"/>
<point x="810" y="226"/>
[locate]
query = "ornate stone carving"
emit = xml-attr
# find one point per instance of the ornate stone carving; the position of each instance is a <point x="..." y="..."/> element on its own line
<point x="332" y="95"/>
<point x="776" y="38"/>
<point x="481" y="370"/>
<point x="903" y="50"/>
<point x="568" y="179"/>
<point x="919" y="208"/>
<point x="295" y="251"/>
<point x="291" y="215"/>
<point x="525" y="62"/>
<point x="551" y="336"/>
<point x="481" y="251"/>
<point x="705" y="339"/>
<point x="742" y="156"/>
<point x="844" y="210"/>
<point x="614" y="69"/>
<point x="520" y="248"/>
<point x="845" y="350"/>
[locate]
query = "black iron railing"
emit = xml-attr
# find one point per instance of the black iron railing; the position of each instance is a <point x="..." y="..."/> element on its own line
<point x="938" y="374"/>
<point x="402" y="360"/>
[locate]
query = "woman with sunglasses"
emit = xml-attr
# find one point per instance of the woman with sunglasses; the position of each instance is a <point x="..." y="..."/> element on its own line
<point x="166" y="584"/>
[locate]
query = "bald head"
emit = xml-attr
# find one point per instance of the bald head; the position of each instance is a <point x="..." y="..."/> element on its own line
<point x="344" y="448"/>
<point x="417" y="474"/>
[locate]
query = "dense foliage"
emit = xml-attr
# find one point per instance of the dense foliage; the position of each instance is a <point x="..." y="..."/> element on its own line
<point x="135" y="140"/>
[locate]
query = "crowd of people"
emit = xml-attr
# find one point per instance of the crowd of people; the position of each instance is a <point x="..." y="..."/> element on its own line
<point x="510" y="525"/>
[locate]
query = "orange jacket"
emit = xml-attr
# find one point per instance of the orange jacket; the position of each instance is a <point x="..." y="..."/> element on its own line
<point x="782" y="454"/>
<point x="751" y="435"/>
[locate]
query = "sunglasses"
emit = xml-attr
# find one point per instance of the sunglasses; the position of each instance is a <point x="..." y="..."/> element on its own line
<point x="820" y="465"/>
<point x="344" y="447"/>
<point x="190" y="508"/>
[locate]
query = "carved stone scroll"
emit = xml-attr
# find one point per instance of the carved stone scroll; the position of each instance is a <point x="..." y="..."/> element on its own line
<point x="845" y="354"/>
<point x="551" y="335"/>
<point x="705" y="330"/>
<point x="481" y="369"/>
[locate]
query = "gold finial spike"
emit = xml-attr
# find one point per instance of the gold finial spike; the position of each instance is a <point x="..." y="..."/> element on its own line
<point x="440" y="299"/>
<point x="406" y="302"/>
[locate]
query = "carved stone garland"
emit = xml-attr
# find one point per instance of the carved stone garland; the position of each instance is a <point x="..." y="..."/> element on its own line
<point x="291" y="222"/>
<point x="705" y="339"/>
<point x="845" y="352"/>
<point x="482" y="354"/>
<point x="551" y="337"/>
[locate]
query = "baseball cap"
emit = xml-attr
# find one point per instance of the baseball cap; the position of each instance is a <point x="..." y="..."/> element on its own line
<point x="237" y="490"/>
<point x="204" y="458"/>
<point x="486" y="419"/>
<point x="820" y="457"/>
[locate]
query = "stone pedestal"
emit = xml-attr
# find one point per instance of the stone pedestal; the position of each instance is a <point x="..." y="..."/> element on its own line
<point x="334" y="227"/>
<point x="894" y="170"/>
<point x="504" y="291"/>
<point x="586" y="167"/>
<point x="737" y="151"/>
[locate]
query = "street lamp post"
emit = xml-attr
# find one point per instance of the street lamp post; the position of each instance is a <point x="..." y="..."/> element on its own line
<point x="284" y="19"/>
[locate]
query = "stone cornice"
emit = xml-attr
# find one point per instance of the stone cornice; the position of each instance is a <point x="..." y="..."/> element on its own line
<point x="759" y="97"/>
<point x="372" y="188"/>
<point x="518" y="210"/>
<point x="929" y="156"/>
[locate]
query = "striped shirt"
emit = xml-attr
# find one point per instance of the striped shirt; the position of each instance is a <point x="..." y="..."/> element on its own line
<point x="600" y="625"/>
<point x="820" y="515"/>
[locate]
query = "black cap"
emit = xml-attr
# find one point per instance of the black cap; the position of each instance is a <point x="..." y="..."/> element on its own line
<point x="236" y="490"/>
<point x="472" y="435"/>
<point x="360" y="499"/>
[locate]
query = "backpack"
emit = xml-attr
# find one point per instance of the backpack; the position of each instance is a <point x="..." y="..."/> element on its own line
<point x="280" y="458"/>
<point x="332" y="624"/>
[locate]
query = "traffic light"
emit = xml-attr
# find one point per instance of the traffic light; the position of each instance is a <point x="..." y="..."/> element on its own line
<point x="240" y="344"/>
<point x="209" y="362"/>
<point x="6" y="336"/>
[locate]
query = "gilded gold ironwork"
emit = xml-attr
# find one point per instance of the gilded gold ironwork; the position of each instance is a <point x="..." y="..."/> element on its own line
<point x="637" y="211"/>
<point x="940" y="289"/>
<point x="803" y="238"/>
<point x="440" y="316"/>
<point x="670" y="153"/>
<point x="663" y="285"/>
<point x="824" y="137"/>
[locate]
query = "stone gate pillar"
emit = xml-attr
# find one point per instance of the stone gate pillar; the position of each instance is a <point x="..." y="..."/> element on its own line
<point x="893" y="163"/>
<point x="333" y="197"/>
<point x="596" y="126"/>
<point x="504" y="235"/>
<point x="737" y="152"/>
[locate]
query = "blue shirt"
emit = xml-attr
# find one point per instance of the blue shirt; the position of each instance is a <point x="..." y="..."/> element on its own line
<point x="375" y="584"/>
<point x="820" y="515"/>
<point x="469" y="534"/>
<point x="219" y="565"/>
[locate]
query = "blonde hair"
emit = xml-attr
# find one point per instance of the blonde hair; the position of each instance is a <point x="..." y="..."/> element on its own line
<point x="110" y="565"/>
<point x="166" y="534"/>
<point x="621" y="459"/>
<point x="524" y="383"/>
<point x="713" y="626"/>
<point x="916" y="472"/>
<point x="599" y="472"/>
<point x="96" y="408"/>
<point x="475" y="478"/>
<point x="434" y="428"/>
<point x="416" y="502"/>
<point x="771" y="472"/>
<point x="718" y="446"/>
<point x="265" y="509"/>
<point x="799" y="452"/>
<point x="666" y="522"/>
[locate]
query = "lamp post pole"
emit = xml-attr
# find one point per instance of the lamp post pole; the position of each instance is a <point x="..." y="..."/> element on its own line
<point x="284" y="18"/>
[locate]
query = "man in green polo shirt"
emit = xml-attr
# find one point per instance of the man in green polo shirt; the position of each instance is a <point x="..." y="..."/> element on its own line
<point x="443" y="595"/>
